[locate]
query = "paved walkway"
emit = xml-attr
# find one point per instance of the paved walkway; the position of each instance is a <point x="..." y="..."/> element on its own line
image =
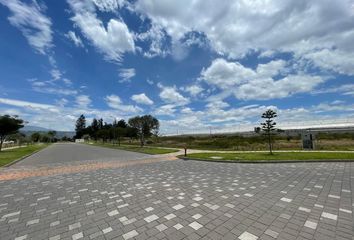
<point x="178" y="199"/>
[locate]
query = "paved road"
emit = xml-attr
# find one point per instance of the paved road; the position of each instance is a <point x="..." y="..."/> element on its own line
<point x="63" y="153"/>
<point x="183" y="200"/>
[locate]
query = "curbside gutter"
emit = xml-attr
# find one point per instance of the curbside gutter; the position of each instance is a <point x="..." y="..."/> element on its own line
<point x="264" y="161"/>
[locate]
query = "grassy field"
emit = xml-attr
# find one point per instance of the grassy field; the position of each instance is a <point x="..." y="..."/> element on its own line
<point x="344" y="142"/>
<point x="134" y="148"/>
<point x="278" y="156"/>
<point x="7" y="156"/>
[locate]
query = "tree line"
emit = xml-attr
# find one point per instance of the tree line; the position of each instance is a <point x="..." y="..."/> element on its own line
<point x="140" y="127"/>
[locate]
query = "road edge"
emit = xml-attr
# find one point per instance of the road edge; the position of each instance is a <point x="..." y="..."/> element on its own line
<point x="266" y="161"/>
<point x="23" y="157"/>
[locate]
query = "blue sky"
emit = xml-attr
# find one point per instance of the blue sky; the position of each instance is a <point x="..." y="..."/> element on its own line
<point x="196" y="66"/>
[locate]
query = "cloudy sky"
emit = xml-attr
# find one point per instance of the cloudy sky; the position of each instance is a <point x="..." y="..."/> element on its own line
<point x="195" y="65"/>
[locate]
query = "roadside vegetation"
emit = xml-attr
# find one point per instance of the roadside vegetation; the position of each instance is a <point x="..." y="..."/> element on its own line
<point x="10" y="155"/>
<point x="136" y="148"/>
<point x="276" y="156"/>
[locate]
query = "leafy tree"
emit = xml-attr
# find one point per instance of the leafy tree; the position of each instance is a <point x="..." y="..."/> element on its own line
<point x="257" y="129"/>
<point x="35" y="137"/>
<point x="51" y="135"/>
<point x="100" y="124"/>
<point x="118" y="133"/>
<point x="103" y="134"/>
<point x="268" y="127"/>
<point x="144" y="126"/>
<point x="122" y="124"/>
<point x="9" y="125"/>
<point x="80" y="126"/>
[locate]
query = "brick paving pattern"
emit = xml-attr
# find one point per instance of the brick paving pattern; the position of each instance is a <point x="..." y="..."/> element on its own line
<point x="180" y="200"/>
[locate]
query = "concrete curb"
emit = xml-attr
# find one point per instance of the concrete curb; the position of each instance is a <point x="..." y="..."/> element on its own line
<point x="266" y="161"/>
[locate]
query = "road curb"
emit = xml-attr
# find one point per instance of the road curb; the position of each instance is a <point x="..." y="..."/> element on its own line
<point x="21" y="158"/>
<point x="266" y="161"/>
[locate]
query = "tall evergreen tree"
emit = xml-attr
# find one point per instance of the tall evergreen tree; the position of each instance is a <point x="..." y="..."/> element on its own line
<point x="80" y="126"/>
<point x="268" y="127"/>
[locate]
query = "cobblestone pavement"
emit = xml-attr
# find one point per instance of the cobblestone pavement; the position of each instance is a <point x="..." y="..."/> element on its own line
<point x="67" y="153"/>
<point x="183" y="200"/>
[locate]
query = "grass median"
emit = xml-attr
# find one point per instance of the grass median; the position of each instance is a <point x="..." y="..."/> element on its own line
<point x="134" y="148"/>
<point x="8" y="156"/>
<point x="276" y="157"/>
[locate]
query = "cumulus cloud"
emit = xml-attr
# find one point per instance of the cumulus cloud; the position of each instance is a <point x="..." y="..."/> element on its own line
<point x="83" y="101"/>
<point x="30" y="19"/>
<point x="237" y="28"/>
<point x="142" y="99"/>
<point x="112" y="41"/>
<point x="115" y="102"/>
<point x="171" y="95"/>
<point x="193" y="90"/>
<point x="265" y="82"/>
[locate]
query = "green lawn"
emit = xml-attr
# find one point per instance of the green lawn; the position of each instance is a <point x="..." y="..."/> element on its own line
<point x="278" y="156"/>
<point x="7" y="156"/>
<point x="134" y="148"/>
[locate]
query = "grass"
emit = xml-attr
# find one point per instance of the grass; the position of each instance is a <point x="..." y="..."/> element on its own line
<point x="134" y="148"/>
<point x="278" y="156"/>
<point x="8" y="156"/>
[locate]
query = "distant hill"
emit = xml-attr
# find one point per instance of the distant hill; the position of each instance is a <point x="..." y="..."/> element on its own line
<point x="28" y="130"/>
<point x="34" y="129"/>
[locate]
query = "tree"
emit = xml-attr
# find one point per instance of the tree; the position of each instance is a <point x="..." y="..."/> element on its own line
<point x="94" y="128"/>
<point x="9" y="125"/>
<point x="35" y="137"/>
<point x="118" y="133"/>
<point x="144" y="126"/>
<point x="80" y="126"/>
<point x="51" y="135"/>
<point x="268" y="127"/>
<point x="122" y="124"/>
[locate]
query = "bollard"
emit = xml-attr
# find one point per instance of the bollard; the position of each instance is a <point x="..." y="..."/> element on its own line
<point x="185" y="151"/>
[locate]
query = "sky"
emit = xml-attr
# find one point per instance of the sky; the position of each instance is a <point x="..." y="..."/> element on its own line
<point x="198" y="66"/>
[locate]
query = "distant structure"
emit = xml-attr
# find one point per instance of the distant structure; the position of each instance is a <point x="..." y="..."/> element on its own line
<point x="308" y="140"/>
<point x="80" y="140"/>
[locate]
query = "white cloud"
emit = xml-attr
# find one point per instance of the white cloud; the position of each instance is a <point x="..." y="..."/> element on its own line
<point x="237" y="28"/>
<point x="74" y="38"/>
<point x="334" y="60"/>
<point x="217" y="104"/>
<point x="226" y="74"/>
<point x="29" y="105"/>
<point x="83" y="101"/>
<point x="67" y="82"/>
<point x="166" y="110"/>
<point x="157" y="39"/>
<point x="113" y="41"/>
<point x="268" y="88"/>
<point x="50" y="87"/>
<point x="345" y="89"/>
<point x="142" y="99"/>
<point x="126" y="74"/>
<point x="171" y="95"/>
<point x="56" y="74"/>
<point x="109" y="5"/>
<point x="115" y="102"/>
<point x="266" y="82"/>
<point x="31" y="21"/>
<point x="193" y="90"/>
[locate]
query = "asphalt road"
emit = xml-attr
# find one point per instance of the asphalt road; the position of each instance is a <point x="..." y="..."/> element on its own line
<point x="73" y="152"/>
